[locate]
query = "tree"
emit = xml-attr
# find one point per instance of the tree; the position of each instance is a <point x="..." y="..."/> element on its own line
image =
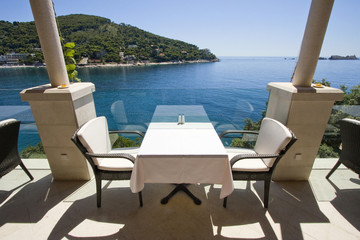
<point x="352" y="97"/>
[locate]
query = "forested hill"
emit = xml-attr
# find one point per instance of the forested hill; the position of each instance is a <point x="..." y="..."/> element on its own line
<point x="99" y="39"/>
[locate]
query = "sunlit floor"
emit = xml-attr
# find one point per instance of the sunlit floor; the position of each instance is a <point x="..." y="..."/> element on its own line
<point x="45" y="209"/>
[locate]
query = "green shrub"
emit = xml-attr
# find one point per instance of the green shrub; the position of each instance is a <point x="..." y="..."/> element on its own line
<point x="122" y="142"/>
<point x="240" y="143"/>
<point x="33" y="152"/>
<point x="326" y="151"/>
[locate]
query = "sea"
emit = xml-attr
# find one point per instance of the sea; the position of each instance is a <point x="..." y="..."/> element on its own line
<point x="231" y="90"/>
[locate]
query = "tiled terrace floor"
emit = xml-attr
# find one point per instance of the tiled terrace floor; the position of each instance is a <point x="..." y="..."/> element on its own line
<point x="45" y="209"/>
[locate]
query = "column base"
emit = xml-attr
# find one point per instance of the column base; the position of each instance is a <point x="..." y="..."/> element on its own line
<point x="306" y="112"/>
<point x="58" y="113"/>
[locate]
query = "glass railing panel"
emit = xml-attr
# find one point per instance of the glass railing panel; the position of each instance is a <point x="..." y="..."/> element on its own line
<point x="14" y="80"/>
<point x="180" y="114"/>
<point x="225" y="108"/>
<point x="29" y="144"/>
<point x="133" y="109"/>
<point x="11" y="107"/>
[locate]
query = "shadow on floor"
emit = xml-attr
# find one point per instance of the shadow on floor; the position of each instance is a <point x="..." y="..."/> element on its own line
<point x="4" y="194"/>
<point x="290" y="205"/>
<point x="179" y="219"/>
<point x="75" y="216"/>
<point x="34" y="199"/>
<point x="345" y="198"/>
<point x="244" y="208"/>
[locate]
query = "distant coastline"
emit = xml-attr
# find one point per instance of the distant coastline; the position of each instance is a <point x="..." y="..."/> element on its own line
<point x="338" y="57"/>
<point x="332" y="57"/>
<point x="118" y="64"/>
<point x="144" y="63"/>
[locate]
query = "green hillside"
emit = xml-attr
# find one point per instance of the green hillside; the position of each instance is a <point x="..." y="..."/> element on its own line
<point x="102" y="40"/>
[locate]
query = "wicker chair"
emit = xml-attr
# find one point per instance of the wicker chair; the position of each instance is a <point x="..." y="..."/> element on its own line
<point x="273" y="141"/>
<point x="350" y="152"/>
<point x="93" y="140"/>
<point x="9" y="155"/>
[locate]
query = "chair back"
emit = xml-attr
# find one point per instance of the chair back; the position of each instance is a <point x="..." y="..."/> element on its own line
<point x="350" y="137"/>
<point x="94" y="136"/>
<point x="9" y="156"/>
<point x="272" y="139"/>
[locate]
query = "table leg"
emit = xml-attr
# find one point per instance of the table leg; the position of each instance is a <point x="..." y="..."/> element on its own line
<point x="180" y="187"/>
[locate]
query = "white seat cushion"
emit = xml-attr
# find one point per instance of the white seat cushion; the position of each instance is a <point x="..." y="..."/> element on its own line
<point x="118" y="164"/>
<point x="94" y="135"/>
<point x="273" y="137"/>
<point x="247" y="165"/>
<point x="250" y="165"/>
<point x="7" y="121"/>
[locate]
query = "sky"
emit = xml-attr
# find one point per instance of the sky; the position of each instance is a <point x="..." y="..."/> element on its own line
<point x="226" y="27"/>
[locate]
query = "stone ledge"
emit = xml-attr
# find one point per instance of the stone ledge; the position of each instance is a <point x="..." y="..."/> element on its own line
<point x="46" y="92"/>
<point x="305" y="93"/>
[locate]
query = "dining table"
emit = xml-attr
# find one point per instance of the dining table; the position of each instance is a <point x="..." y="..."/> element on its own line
<point x="181" y="147"/>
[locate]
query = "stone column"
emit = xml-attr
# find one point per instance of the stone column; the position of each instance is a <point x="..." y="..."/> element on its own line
<point x="50" y="42"/>
<point x="302" y="108"/>
<point x="58" y="112"/>
<point x="318" y="19"/>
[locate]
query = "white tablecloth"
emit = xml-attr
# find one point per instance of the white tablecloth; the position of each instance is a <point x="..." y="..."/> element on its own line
<point x="189" y="153"/>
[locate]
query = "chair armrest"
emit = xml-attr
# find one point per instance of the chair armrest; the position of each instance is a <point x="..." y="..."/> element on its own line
<point x="112" y="155"/>
<point x="221" y="135"/>
<point x="141" y="134"/>
<point x="246" y="156"/>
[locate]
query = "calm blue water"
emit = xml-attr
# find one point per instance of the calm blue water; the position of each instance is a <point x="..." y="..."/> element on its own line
<point x="230" y="90"/>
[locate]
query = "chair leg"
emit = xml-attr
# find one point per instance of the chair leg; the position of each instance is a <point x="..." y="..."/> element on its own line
<point x="266" y="192"/>
<point x="140" y="199"/>
<point x="225" y="202"/>
<point x="26" y="171"/>
<point x="333" y="169"/>
<point x="98" y="191"/>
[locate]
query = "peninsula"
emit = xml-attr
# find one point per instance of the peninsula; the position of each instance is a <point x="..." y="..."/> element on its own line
<point x="98" y="41"/>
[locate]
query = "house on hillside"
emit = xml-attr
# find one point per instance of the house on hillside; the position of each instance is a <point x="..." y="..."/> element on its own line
<point x="13" y="58"/>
